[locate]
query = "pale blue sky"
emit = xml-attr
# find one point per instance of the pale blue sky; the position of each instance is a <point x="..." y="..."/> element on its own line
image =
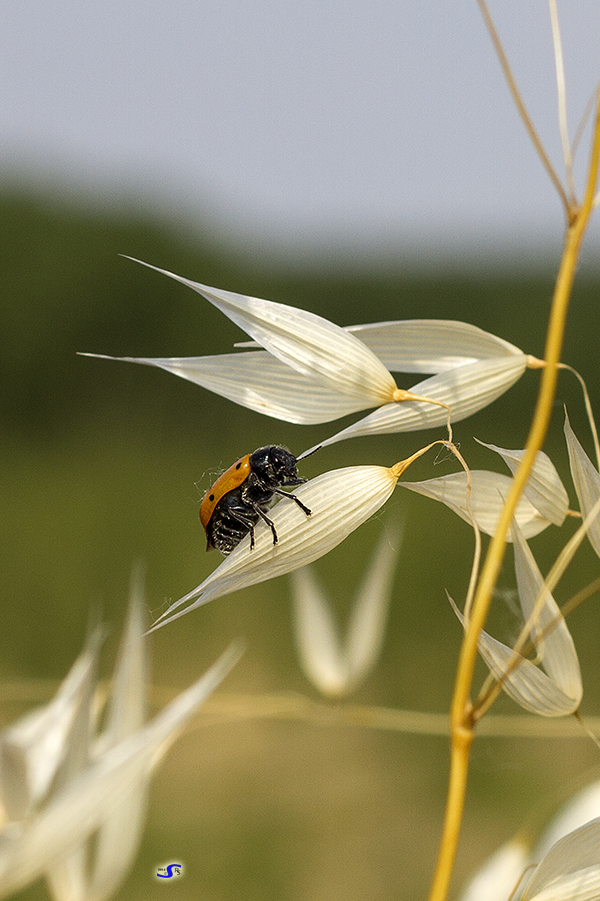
<point x="320" y="121"/>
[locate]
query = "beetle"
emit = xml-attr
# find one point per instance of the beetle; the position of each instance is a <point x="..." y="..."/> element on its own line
<point x="236" y="501"/>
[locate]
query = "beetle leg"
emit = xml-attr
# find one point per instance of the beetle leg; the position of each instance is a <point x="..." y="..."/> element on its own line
<point x="244" y="521"/>
<point x="292" y="497"/>
<point x="268" y="521"/>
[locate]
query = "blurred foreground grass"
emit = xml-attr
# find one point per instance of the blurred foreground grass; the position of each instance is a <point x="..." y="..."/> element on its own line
<point x="103" y="464"/>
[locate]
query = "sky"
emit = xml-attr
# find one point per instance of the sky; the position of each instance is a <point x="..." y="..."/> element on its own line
<point x="315" y="124"/>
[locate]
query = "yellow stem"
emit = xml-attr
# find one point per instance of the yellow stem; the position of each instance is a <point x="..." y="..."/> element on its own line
<point x="461" y="714"/>
<point x="457" y="788"/>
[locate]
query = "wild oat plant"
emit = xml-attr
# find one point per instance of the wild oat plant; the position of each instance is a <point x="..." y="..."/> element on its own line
<point x="74" y="795"/>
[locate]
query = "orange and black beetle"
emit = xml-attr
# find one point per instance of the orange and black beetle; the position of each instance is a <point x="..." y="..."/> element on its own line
<point x="241" y="496"/>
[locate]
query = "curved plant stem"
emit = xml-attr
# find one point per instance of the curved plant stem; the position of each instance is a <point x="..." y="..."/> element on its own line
<point x="462" y="721"/>
<point x="518" y="101"/>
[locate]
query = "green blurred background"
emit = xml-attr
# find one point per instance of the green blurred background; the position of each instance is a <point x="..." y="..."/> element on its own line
<point x="104" y="464"/>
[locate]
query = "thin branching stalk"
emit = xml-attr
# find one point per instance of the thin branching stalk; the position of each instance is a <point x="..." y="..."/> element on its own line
<point x="580" y="597"/>
<point x="562" y="98"/>
<point x="462" y="723"/>
<point x="518" y="101"/>
<point x="522" y="646"/>
<point x="588" y="410"/>
<point x="228" y="707"/>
